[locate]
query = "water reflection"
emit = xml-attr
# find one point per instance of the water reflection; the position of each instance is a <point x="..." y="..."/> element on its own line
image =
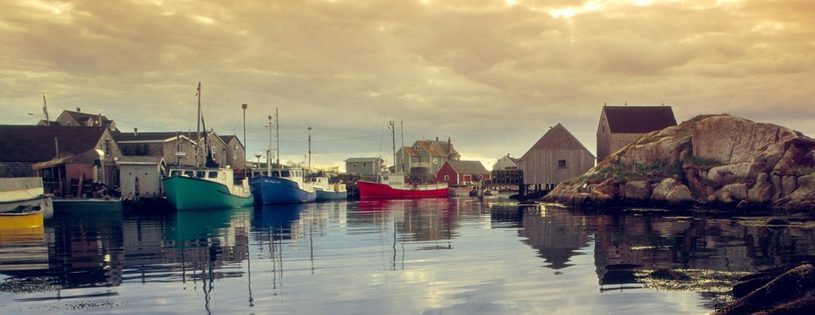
<point x="394" y="249"/>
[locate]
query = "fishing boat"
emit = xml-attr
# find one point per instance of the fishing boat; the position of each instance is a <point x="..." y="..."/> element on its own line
<point x="25" y="192"/>
<point x="207" y="187"/>
<point x="393" y="185"/>
<point x="282" y="186"/>
<point x="328" y="191"/>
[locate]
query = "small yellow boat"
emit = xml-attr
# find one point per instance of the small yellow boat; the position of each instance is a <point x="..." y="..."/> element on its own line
<point x="25" y="217"/>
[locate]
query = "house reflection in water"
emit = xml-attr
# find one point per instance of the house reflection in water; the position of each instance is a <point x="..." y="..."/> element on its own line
<point x="555" y="233"/>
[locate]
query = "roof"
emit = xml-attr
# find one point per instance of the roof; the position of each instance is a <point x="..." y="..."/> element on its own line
<point x="227" y="139"/>
<point x="146" y="136"/>
<point x="362" y="159"/>
<point x="36" y="143"/>
<point x="410" y="151"/>
<point x="557" y="138"/>
<point x="638" y="119"/>
<point x="438" y="148"/>
<point x="83" y="117"/>
<point x="468" y="167"/>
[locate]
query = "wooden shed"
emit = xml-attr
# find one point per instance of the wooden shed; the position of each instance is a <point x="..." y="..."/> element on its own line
<point x="619" y="126"/>
<point x="556" y="157"/>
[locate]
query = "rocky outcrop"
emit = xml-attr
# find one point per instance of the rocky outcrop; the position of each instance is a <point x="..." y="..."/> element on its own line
<point x="785" y="290"/>
<point x="710" y="161"/>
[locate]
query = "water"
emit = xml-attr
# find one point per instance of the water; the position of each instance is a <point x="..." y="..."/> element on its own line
<point x="434" y="256"/>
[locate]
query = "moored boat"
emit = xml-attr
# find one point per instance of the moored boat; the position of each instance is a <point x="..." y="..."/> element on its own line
<point x="205" y="188"/>
<point x="23" y="192"/>
<point x="393" y="186"/>
<point x="281" y="186"/>
<point x="328" y="191"/>
<point x="22" y="218"/>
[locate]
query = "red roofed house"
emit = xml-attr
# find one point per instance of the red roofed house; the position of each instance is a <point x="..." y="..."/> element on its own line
<point x="424" y="159"/>
<point x="622" y="125"/>
<point x="462" y="173"/>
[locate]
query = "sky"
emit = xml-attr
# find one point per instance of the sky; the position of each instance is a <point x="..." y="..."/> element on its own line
<point x="490" y="75"/>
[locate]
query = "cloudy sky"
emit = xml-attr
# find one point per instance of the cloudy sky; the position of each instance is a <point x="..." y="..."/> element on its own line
<point x="492" y="75"/>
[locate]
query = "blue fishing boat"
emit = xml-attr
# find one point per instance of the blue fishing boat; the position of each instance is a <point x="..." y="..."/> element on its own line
<point x="281" y="186"/>
<point x="328" y="191"/>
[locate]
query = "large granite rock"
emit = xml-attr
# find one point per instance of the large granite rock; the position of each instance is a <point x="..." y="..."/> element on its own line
<point x="716" y="161"/>
<point x="775" y="291"/>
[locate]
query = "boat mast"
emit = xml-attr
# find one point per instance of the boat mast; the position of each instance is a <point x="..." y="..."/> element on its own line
<point x="402" y="134"/>
<point x="393" y="136"/>
<point x="309" y="148"/>
<point x="269" y="152"/>
<point x="198" y="129"/>
<point x="277" y="134"/>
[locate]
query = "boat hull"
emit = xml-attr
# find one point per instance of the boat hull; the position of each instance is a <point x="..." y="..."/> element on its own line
<point x="187" y="193"/>
<point x="326" y="195"/>
<point x="42" y="202"/>
<point x="70" y="205"/>
<point x="21" y="220"/>
<point x="376" y="190"/>
<point x="274" y="190"/>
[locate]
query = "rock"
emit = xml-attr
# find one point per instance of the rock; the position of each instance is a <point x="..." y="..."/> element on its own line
<point x="679" y="196"/>
<point x="664" y="187"/>
<point x="792" y="292"/>
<point x="776" y="221"/>
<point x="637" y="190"/>
<point x="762" y="192"/>
<point x="669" y="274"/>
<point x="737" y="192"/>
<point x="730" y="140"/>
<point x="788" y="184"/>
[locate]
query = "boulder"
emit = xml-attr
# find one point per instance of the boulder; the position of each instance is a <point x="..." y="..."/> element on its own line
<point x="662" y="189"/>
<point x="679" y="195"/>
<point x="792" y="292"/>
<point x="737" y="191"/>
<point x="762" y="192"/>
<point x="637" y="190"/>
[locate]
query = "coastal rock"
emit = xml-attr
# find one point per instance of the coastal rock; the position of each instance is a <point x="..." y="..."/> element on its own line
<point x="713" y="161"/>
<point x="791" y="292"/>
<point x="637" y="190"/>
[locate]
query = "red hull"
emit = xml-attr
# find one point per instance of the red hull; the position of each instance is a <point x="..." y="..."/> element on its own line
<point x="377" y="190"/>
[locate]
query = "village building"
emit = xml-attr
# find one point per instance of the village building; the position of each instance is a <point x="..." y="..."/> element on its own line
<point x="505" y="163"/>
<point x="78" y="118"/>
<point x="556" y="157"/>
<point x="462" y="173"/>
<point x="140" y="176"/>
<point x="235" y="152"/>
<point x="363" y="166"/>
<point x="424" y="159"/>
<point x="179" y="148"/>
<point x="620" y="126"/>
<point x="63" y="156"/>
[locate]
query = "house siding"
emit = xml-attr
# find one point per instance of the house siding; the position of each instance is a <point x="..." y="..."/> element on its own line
<point x="541" y="165"/>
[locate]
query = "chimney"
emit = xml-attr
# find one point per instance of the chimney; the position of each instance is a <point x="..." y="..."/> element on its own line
<point x="78" y="110"/>
<point x="437" y="138"/>
<point x="135" y="132"/>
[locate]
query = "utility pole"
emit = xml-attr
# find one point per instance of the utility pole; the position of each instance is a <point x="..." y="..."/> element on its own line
<point x="402" y="133"/>
<point x="244" y="106"/>
<point x="269" y="158"/>
<point x="45" y="109"/>
<point x="393" y="136"/>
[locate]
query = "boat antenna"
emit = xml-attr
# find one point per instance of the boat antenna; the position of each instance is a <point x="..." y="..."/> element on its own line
<point x="393" y="136"/>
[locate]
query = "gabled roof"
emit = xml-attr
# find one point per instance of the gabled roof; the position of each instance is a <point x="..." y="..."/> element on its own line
<point x="33" y="144"/>
<point x="363" y="159"/>
<point x="82" y="118"/>
<point x="227" y="139"/>
<point x="638" y="119"/>
<point x="410" y="151"/>
<point x="557" y="138"/>
<point x="125" y="137"/>
<point x="437" y="148"/>
<point x="468" y="167"/>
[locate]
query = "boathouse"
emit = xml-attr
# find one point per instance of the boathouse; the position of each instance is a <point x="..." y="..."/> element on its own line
<point x="556" y="157"/>
<point x="62" y="156"/>
<point x="462" y="173"/>
<point x="620" y="126"/>
<point x="140" y="176"/>
<point x="177" y="148"/>
<point x="505" y="163"/>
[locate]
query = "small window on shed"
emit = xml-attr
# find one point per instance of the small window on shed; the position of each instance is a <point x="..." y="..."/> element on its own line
<point x="561" y="163"/>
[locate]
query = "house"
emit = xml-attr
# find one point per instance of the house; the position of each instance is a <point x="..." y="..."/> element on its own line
<point x="620" y="126"/>
<point x="462" y="173"/>
<point x="140" y="176"/>
<point x="505" y="163"/>
<point x="60" y="155"/>
<point x="177" y="148"/>
<point x="235" y="152"/>
<point x="78" y="118"/>
<point x="364" y="166"/>
<point x="424" y="159"/>
<point x="556" y="157"/>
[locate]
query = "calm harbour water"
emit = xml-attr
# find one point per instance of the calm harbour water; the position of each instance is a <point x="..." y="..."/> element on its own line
<point x="430" y="256"/>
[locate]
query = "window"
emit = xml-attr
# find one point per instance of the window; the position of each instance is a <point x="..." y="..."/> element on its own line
<point x="212" y="174"/>
<point x="446" y="177"/>
<point x="200" y="174"/>
<point x="355" y="164"/>
<point x="561" y="163"/>
<point x="363" y="164"/>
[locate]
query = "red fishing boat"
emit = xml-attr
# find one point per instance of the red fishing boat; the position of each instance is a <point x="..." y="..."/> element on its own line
<point x="394" y="186"/>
